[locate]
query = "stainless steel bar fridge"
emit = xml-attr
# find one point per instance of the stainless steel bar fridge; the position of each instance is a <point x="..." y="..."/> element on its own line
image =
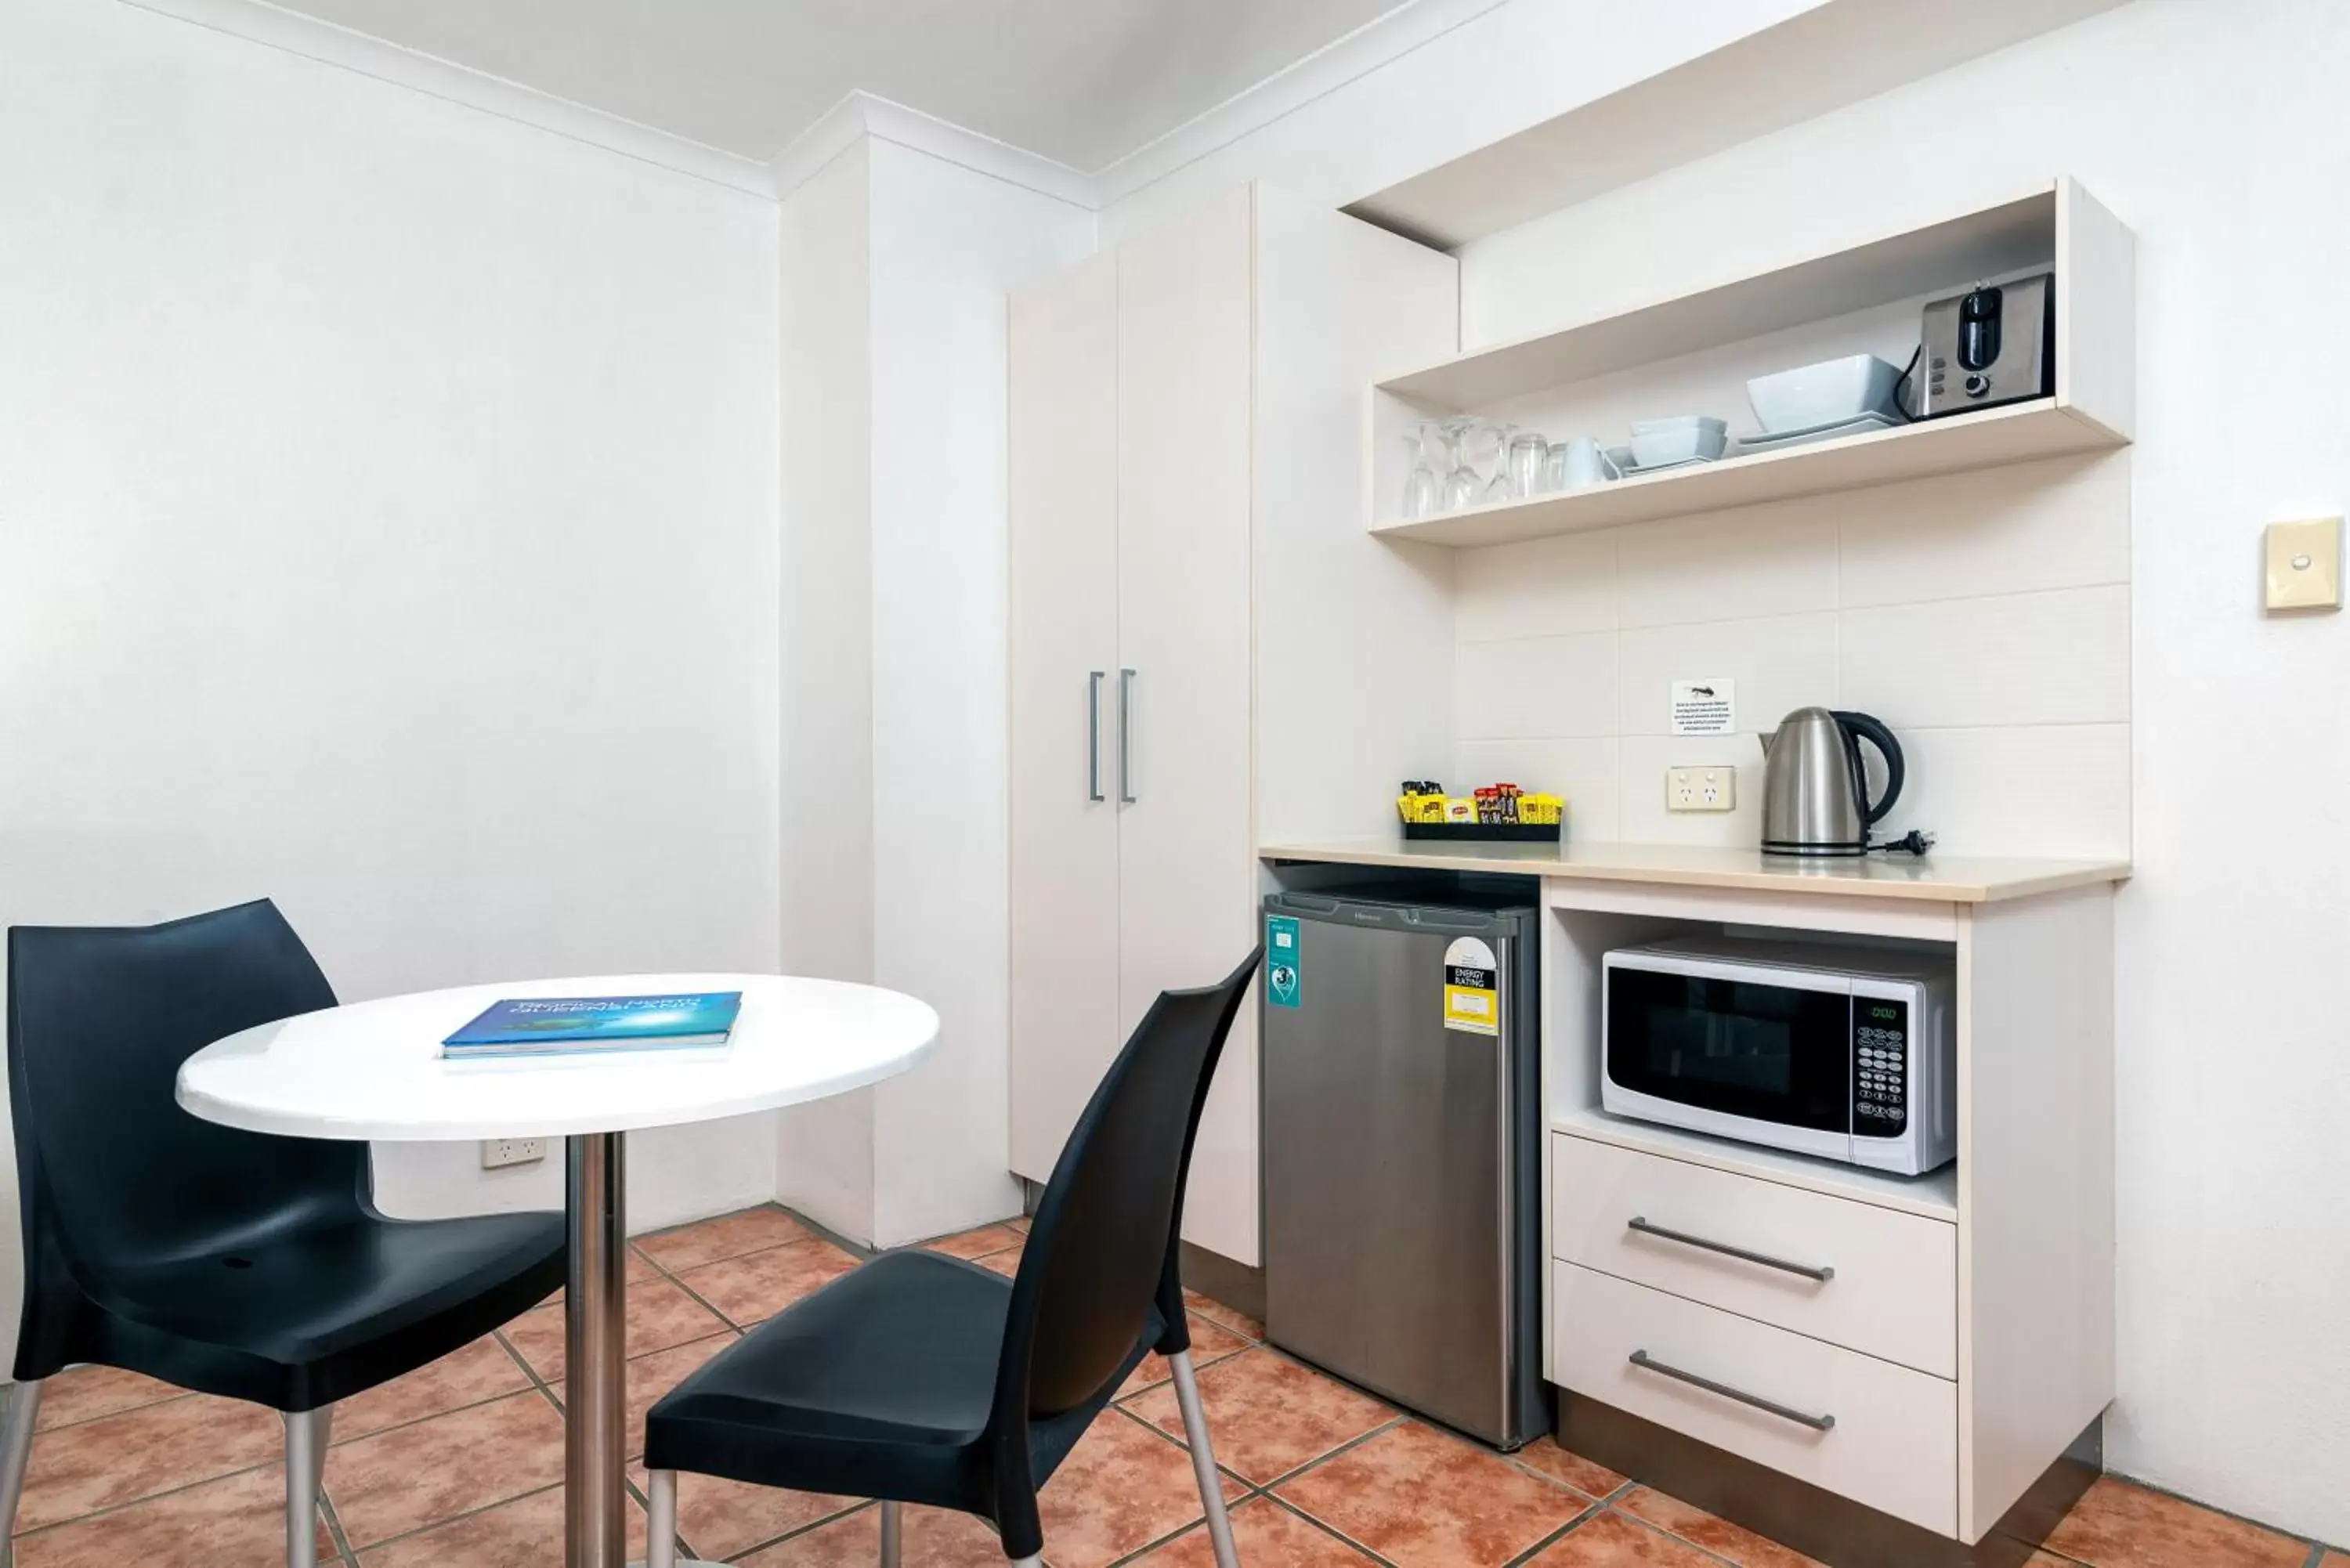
<point x="1399" y="1097"/>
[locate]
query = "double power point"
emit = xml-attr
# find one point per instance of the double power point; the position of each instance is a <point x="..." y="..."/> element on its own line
<point x="1711" y="788"/>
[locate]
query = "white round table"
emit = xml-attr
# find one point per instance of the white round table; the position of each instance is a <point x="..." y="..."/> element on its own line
<point x="373" y="1070"/>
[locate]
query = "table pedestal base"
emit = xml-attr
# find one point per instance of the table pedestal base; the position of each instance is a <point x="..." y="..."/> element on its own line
<point x="595" y="1333"/>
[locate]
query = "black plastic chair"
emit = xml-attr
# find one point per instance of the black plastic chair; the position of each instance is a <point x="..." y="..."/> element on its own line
<point x="922" y="1379"/>
<point x="224" y="1261"/>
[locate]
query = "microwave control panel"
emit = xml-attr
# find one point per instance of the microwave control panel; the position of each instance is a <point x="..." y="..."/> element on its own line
<point x="1880" y="1068"/>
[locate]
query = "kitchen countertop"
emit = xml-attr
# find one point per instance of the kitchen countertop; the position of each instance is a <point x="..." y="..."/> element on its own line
<point x="1939" y="878"/>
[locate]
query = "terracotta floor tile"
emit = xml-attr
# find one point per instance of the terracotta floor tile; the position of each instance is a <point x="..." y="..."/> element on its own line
<point x="1020" y="1224"/>
<point x="1121" y="1488"/>
<point x="1231" y="1318"/>
<point x="1266" y="1414"/>
<point x="934" y="1538"/>
<point x="728" y="1236"/>
<point x="660" y="1316"/>
<point x="1266" y="1535"/>
<point x="754" y="1287"/>
<point x="722" y="1519"/>
<point x="2117" y="1525"/>
<point x="1585" y="1476"/>
<point x="86" y="1392"/>
<point x="976" y="1243"/>
<point x="1209" y="1342"/>
<point x="239" y="1519"/>
<point x="2334" y="1559"/>
<point x="1691" y="1522"/>
<point x="1424" y="1500"/>
<point x="1612" y="1541"/>
<point x="433" y="1470"/>
<point x="1007" y="1261"/>
<point x="650" y="1376"/>
<point x="481" y="1371"/>
<point x="637" y="1269"/>
<point x="120" y="1459"/>
<point x="526" y="1532"/>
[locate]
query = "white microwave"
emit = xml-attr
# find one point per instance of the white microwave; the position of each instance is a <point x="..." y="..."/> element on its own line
<point x="1843" y="1053"/>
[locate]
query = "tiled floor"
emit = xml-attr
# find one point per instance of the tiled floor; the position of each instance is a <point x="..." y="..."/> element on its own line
<point x="460" y="1466"/>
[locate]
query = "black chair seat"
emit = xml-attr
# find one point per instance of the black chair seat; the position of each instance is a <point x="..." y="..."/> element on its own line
<point x="879" y="1385"/>
<point x="304" y="1316"/>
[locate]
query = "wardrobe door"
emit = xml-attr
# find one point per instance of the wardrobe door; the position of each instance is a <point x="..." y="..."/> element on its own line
<point x="1187" y="871"/>
<point x="1064" y="388"/>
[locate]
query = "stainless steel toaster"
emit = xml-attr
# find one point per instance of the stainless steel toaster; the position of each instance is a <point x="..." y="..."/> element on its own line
<point x="1994" y="344"/>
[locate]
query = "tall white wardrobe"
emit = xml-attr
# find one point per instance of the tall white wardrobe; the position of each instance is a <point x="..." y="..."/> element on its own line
<point x="1208" y="649"/>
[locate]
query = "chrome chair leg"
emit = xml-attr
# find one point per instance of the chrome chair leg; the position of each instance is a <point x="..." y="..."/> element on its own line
<point x="307" y="1432"/>
<point x="1203" y="1460"/>
<point x="15" y="1454"/>
<point x="660" y="1544"/>
<point x="893" y="1526"/>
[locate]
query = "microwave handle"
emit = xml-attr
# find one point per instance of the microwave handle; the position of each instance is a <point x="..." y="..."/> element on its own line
<point x="1824" y="1274"/>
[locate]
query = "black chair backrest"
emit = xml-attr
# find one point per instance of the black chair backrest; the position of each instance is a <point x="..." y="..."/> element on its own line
<point x="1102" y="1247"/>
<point x="111" y="1172"/>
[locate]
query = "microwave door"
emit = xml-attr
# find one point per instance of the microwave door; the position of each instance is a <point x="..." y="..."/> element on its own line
<point x="1738" y="1050"/>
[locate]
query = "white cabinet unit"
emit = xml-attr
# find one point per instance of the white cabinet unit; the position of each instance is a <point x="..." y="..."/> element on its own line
<point x="1186" y="485"/>
<point x="1966" y="1335"/>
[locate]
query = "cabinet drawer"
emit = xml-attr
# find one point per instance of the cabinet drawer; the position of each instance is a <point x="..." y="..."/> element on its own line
<point x="1893" y="1290"/>
<point x="1894" y="1441"/>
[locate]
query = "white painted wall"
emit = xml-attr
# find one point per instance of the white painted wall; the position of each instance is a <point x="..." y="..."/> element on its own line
<point x="895" y="266"/>
<point x="824" y="1160"/>
<point x="387" y="525"/>
<point x="2213" y="132"/>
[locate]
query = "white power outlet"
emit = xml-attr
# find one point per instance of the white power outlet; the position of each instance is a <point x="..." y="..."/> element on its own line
<point x="497" y="1152"/>
<point x="1701" y="788"/>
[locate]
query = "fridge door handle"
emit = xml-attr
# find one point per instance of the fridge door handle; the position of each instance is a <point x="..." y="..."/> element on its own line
<point x="1093" y="679"/>
<point x="1126" y="795"/>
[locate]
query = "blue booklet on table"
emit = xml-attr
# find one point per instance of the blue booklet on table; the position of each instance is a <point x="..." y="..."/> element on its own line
<point x="591" y="1025"/>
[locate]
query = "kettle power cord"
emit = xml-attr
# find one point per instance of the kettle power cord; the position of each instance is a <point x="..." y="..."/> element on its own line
<point x="1913" y="842"/>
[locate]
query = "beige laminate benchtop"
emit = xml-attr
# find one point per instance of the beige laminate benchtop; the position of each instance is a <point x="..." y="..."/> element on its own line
<point x="1939" y="878"/>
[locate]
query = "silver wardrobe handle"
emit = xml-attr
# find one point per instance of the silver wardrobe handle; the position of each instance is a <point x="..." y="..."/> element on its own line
<point x="1646" y="1363"/>
<point x="1126" y="795"/>
<point x="1824" y="1274"/>
<point x="1093" y="734"/>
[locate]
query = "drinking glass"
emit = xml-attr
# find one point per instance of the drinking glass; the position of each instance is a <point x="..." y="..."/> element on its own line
<point x="1462" y="487"/>
<point x="1529" y="455"/>
<point x="1423" y="492"/>
<point x="1499" y="437"/>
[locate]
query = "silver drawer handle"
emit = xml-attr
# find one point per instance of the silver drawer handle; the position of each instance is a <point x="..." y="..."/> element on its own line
<point x="1824" y="1274"/>
<point x="1646" y="1363"/>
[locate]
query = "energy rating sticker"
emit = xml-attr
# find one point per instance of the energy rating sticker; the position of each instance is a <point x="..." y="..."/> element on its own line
<point x="1472" y="988"/>
<point x="1283" y="974"/>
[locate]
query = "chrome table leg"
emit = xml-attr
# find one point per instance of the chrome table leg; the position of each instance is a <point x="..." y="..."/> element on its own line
<point x="595" y="1326"/>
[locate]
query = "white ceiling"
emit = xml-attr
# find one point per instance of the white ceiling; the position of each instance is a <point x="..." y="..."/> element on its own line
<point x="1083" y="82"/>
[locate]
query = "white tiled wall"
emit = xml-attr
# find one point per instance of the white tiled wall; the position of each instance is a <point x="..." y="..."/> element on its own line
<point x="1984" y="616"/>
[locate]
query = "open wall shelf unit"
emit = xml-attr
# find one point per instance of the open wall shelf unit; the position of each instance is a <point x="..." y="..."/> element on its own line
<point x="1691" y="353"/>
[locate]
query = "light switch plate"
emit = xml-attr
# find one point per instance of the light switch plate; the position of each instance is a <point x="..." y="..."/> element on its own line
<point x="2305" y="565"/>
<point x="1712" y="787"/>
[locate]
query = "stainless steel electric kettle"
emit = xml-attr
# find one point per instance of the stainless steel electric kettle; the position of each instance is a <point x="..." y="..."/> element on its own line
<point x="1815" y="789"/>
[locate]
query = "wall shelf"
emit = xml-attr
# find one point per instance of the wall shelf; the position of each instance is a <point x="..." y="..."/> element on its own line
<point x="1693" y="351"/>
<point x="2019" y="432"/>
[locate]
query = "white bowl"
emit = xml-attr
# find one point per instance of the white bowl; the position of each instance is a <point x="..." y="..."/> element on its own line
<point x="1833" y="389"/>
<point x="1677" y="440"/>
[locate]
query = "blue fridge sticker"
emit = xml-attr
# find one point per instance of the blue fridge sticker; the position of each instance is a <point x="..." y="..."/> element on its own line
<point x="1282" y="973"/>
